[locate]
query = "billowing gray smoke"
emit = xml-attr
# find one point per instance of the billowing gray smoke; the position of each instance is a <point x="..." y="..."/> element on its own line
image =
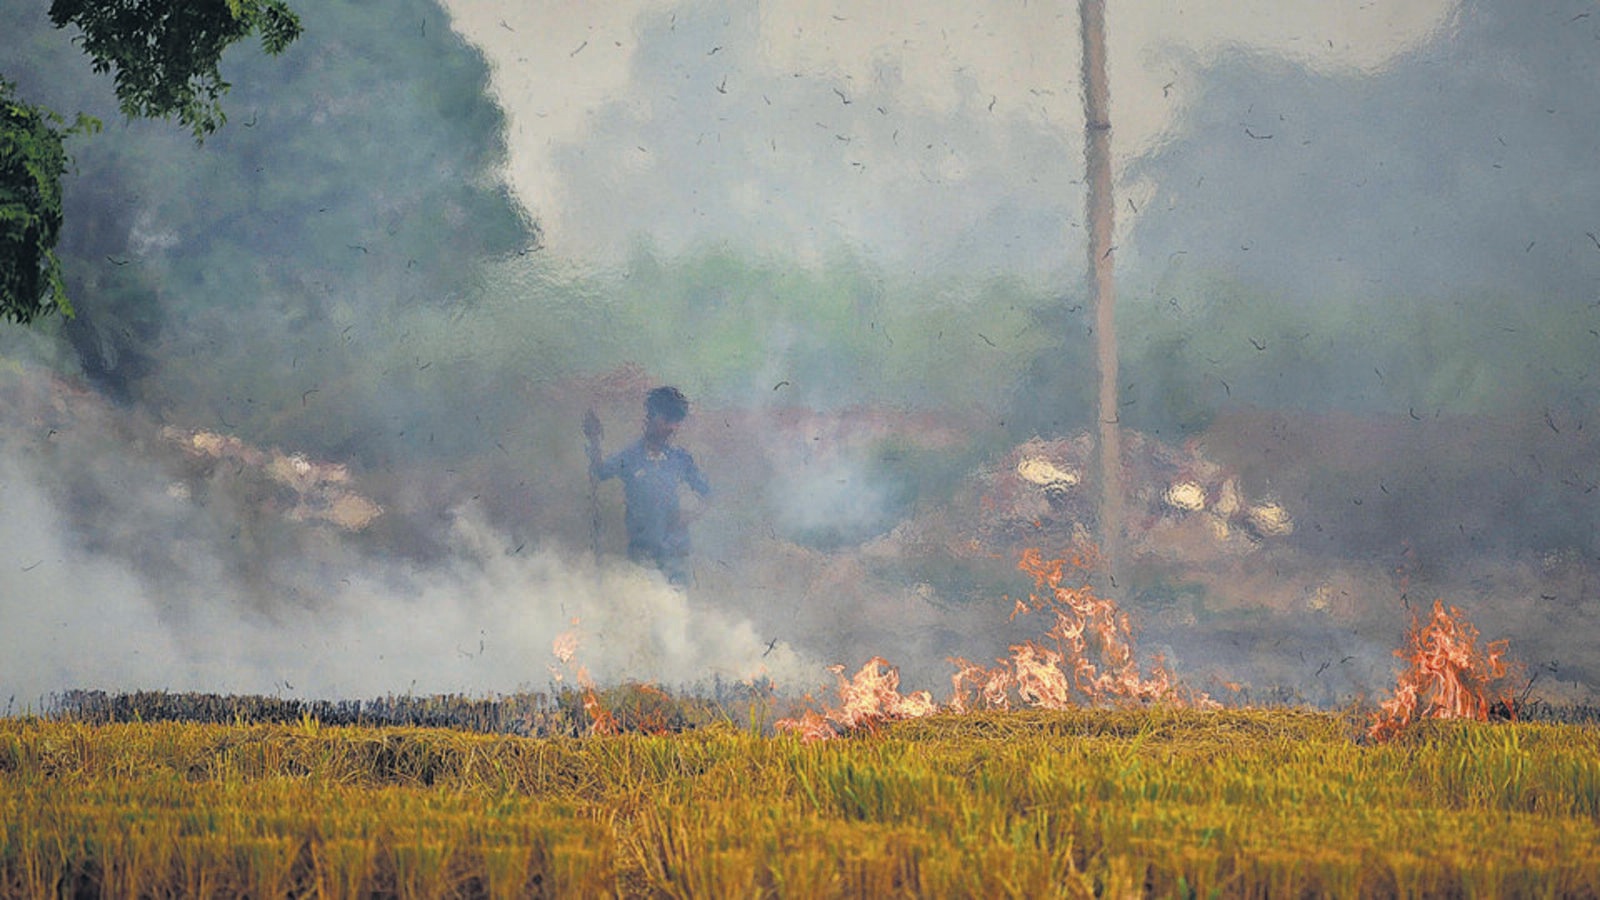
<point x="315" y="430"/>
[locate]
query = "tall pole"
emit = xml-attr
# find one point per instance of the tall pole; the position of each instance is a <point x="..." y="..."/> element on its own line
<point x="592" y="434"/>
<point x="1101" y="212"/>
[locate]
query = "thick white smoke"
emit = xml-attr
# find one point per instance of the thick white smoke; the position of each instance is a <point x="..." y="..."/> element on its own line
<point x="481" y="623"/>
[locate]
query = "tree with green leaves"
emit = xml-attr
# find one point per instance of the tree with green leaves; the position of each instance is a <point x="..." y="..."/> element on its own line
<point x="33" y="157"/>
<point x="163" y="56"/>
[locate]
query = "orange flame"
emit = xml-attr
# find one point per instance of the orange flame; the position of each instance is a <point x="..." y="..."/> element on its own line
<point x="601" y="721"/>
<point x="651" y="704"/>
<point x="870" y="697"/>
<point x="1090" y="660"/>
<point x="565" y="649"/>
<point x="1445" y="678"/>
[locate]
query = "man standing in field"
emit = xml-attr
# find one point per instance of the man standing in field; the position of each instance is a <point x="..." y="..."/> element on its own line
<point x="653" y="472"/>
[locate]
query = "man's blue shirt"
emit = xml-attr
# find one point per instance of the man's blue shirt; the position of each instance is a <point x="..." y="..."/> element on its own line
<point x="651" y="480"/>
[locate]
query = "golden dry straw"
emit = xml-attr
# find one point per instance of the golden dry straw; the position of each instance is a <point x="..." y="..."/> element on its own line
<point x="1161" y="802"/>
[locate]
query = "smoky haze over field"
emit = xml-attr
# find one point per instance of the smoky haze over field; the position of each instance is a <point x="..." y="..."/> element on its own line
<point x="1359" y="280"/>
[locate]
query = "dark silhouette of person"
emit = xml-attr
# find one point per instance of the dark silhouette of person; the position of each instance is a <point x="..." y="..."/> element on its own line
<point x="653" y="472"/>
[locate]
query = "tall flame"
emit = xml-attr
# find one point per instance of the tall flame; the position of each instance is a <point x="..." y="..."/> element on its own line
<point x="1088" y="659"/>
<point x="1446" y="677"/>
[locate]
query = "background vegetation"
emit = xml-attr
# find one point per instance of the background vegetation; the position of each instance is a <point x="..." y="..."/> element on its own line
<point x="349" y="235"/>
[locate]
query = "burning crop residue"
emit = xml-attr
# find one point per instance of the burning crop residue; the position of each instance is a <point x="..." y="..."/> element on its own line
<point x="641" y="706"/>
<point x="1088" y="658"/>
<point x="871" y="696"/>
<point x="565" y="648"/>
<point x="1446" y="675"/>
<point x="1092" y="661"/>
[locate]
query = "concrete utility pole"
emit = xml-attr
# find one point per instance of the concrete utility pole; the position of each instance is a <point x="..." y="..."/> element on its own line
<point x="1101" y="211"/>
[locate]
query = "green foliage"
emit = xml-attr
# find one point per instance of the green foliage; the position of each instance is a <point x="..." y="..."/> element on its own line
<point x="164" y="54"/>
<point x="1207" y="341"/>
<point x="1214" y="342"/>
<point x="298" y="278"/>
<point x="1057" y="392"/>
<point x="733" y="328"/>
<point x="33" y="158"/>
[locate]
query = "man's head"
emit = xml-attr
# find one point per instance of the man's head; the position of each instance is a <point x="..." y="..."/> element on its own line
<point x="664" y="409"/>
<point x="666" y="403"/>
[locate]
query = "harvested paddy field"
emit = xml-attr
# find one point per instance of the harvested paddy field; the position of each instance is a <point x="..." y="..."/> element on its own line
<point x="1155" y="802"/>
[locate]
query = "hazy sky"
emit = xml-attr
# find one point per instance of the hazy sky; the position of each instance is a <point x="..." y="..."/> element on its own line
<point x="900" y="129"/>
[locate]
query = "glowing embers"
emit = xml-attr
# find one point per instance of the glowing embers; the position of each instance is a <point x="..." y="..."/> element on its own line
<point x="1446" y="676"/>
